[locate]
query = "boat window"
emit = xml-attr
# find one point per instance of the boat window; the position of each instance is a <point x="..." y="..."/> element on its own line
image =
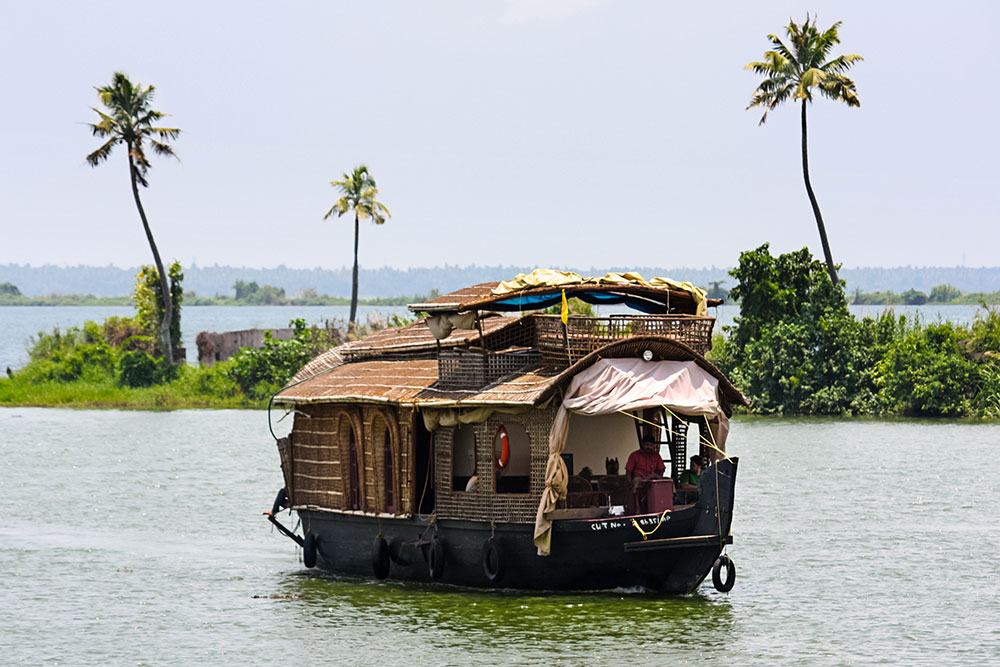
<point x="389" y="479"/>
<point x="463" y="456"/>
<point x="513" y="475"/>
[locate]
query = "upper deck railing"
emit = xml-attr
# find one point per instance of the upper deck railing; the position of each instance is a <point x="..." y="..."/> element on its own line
<point x="583" y="335"/>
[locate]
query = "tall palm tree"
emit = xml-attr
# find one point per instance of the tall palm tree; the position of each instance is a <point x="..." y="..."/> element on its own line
<point x="793" y="72"/>
<point x="358" y="192"/>
<point x="129" y="120"/>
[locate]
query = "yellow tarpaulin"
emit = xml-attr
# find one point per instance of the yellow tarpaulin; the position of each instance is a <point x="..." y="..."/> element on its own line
<point x="554" y="278"/>
<point x="538" y="278"/>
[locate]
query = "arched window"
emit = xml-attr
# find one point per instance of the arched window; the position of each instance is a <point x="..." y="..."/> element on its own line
<point x="389" y="478"/>
<point x="354" y="482"/>
<point x="384" y="448"/>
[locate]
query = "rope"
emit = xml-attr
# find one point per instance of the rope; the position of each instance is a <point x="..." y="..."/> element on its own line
<point x="718" y="508"/>
<point x="644" y="534"/>
<point x="701" y="438"/>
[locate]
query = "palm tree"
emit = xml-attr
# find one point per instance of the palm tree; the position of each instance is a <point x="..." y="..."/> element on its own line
<point x="794" y="73"/>
<point x="129" y="120"/>
<point x="358" y="192"/>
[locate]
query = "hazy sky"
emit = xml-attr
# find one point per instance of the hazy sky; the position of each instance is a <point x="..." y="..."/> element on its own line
<point x="551" y="133"/>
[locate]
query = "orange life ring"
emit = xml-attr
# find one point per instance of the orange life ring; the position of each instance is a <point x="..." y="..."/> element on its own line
<point x="504" y="448"/>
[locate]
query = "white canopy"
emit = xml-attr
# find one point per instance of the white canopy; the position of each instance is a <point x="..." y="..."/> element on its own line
<point x="612" y="385"/>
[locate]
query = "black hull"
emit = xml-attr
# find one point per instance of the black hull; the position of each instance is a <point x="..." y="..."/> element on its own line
<point x="587" y="554"/>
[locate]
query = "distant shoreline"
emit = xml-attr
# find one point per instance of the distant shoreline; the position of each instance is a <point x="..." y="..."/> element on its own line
<point x="967" y="299"/>
<point x="91" y="300"/>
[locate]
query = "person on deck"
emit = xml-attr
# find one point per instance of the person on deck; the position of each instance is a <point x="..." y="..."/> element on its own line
<point x="688" y="485"/>
<point x="643" y="465"/>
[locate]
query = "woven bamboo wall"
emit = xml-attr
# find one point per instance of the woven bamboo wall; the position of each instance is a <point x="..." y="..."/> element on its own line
<point x="320" y="462"/>
<point x="485" y="504"/>
<point x="315" y="465"/>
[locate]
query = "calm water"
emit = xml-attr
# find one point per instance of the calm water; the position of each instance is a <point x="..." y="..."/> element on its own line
<point x="18" y="323"/>
<point x="136" y="538"/>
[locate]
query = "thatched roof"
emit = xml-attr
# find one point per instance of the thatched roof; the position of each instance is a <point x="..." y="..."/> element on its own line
<point x="415" y="381"/>
<point x="414" y="341"/>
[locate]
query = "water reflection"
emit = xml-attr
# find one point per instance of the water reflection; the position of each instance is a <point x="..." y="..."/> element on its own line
<point x="560" y="624"/>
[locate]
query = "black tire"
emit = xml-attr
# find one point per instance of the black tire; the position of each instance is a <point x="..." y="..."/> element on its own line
<point x="724" y="561"/>
<point x="309" y="550"/>
<point x="494" y="566"/>
<point x="435" y="559"/>
<point x="380" y="558"/>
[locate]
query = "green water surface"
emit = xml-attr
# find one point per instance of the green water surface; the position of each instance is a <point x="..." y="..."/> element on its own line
<point x="137" y="538"/>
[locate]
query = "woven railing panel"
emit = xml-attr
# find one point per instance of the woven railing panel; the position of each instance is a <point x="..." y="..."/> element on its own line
<point x="583" y="335"/>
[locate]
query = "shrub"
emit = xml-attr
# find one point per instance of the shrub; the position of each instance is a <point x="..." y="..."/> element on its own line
<point x="137" y="368"/>
<point x="926" y="373"/>
<point x="148" y="298"/>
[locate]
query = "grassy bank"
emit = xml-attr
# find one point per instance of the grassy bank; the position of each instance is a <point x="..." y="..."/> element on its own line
<point x="115" y="365"/>
<point x="194" y="388"/>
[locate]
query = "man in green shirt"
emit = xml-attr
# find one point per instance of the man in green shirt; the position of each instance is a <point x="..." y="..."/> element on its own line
<point x="688" y="484"/>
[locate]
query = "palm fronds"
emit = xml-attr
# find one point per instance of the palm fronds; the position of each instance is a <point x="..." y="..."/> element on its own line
<point x="795" y="69"/>
<point x="128" y="119"/>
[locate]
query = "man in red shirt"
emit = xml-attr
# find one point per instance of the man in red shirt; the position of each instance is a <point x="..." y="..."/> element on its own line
<point x="643" y="465"/>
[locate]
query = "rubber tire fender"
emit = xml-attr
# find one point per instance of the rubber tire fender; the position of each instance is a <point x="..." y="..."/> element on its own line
<point x="494" y="566"/>
<point x="724" y="561"/>
<point x="435" y="559"/>
<point x="380" y="558"/>
<point x="309" y="550"/>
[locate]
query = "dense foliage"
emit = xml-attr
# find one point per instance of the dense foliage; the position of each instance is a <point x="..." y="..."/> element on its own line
<point x="795" y="349"/>
<point x="149" y="303"/>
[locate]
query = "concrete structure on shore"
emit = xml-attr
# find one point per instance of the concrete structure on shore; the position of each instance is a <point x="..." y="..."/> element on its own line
<point x="213" y="347"/>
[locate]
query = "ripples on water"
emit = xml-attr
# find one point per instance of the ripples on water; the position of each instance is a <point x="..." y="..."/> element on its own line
<point x="136" y="538"/>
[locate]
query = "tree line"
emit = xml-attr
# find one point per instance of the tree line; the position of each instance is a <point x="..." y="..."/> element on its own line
<point x="796" y="349"/>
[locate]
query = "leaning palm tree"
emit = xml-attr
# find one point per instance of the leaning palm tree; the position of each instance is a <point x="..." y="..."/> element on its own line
<point x="793" y="72"/>
<point x="358" y="192"/>
<point x="129" y="120"/>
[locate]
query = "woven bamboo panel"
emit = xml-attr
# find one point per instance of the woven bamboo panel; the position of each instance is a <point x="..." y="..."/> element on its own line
<point x="583" y="335"/>
<point x="485" y="504"/>
<point x="466" y="369"/>
<point x="314" y="454"/>
<point x="285" y="454"/>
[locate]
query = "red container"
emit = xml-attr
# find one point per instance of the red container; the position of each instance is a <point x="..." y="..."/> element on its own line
<point x="661" y="495"/>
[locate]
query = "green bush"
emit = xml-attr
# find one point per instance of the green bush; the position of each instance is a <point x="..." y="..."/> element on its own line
<point x="137" y="368"/>
<point x="147" y="295"/>
<point x="926" y="373"/>
<point x="77" y="354"/>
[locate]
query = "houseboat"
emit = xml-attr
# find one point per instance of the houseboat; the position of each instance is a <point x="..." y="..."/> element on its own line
<point x="485" y="444"/>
